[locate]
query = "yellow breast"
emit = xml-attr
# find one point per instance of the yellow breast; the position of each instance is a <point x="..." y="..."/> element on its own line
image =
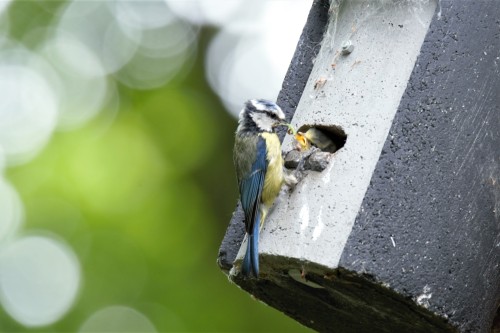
<point x="274" y="177"/>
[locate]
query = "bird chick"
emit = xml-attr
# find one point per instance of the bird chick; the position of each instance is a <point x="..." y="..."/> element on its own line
<point x="314" y="136"/>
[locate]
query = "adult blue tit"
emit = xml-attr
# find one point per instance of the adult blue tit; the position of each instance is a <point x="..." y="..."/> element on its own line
<point x="259" y="169"/>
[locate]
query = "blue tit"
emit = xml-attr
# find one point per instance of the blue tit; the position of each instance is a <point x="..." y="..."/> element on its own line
<point x="259" y="169"/>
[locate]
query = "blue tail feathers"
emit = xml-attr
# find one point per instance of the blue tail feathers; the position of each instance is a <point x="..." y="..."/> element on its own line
<point x="251" y="261"/>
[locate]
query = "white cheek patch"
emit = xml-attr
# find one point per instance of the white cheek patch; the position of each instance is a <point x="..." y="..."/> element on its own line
<point x="262" y="121"/>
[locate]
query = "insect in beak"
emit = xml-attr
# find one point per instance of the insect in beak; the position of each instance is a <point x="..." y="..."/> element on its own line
<point x="290" y="130"/>
<point x="281" y="124"/>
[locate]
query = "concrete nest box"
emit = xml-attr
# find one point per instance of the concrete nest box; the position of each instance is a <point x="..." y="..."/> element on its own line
<point x="401" y="230"/>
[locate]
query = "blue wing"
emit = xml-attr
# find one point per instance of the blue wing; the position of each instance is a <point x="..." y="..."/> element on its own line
<point x="250" y="196"/>
<point x="251" y="186"/>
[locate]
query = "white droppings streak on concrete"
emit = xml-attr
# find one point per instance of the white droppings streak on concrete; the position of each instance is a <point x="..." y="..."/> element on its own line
<point x="319" y="227"/>
<point x="304" y="217"/>
<point x="327" y="177"/>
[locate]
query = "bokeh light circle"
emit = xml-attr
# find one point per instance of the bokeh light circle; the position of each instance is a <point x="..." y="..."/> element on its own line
<point x="221" y="12"/>
<point x="72" y="56"/>
<point x="4" y="4"/>
<point x="28" y="112"/>
<point x="117" y="318"/>
<point x="187" y="10"/>
<point x="250" y="74"/>
<point x="4" y="26"/>
<point x="104" y="37"/>
<point x="77" y="75"/>
<point x="11" y="210"/>
<point x="39" y="281"/>
<point x="218" y="60"/>
<point x="2" y="161"/>
<point x="216" y="12"/>
<point x="142" y="15"/>
<point x="255" y="64"/>
<point x="162" y="54"/>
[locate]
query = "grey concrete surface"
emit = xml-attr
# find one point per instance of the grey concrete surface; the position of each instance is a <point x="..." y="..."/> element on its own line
<point x="361" y="95"/>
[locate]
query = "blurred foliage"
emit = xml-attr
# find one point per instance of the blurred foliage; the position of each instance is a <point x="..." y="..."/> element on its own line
<point x="143" y="195"/>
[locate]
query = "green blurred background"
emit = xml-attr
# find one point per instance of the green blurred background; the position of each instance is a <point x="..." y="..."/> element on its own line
<point x="142" y="193"/>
